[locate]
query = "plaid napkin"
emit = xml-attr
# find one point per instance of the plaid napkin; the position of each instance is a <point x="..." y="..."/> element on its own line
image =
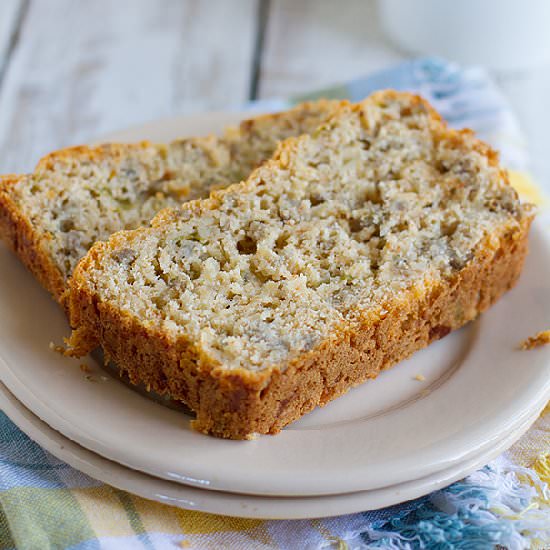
<point x="44" y="503"/>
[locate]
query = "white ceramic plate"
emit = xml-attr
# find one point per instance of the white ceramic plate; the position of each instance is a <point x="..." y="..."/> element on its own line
<point x="218" y="502"/>
<point x="392" y="430"/>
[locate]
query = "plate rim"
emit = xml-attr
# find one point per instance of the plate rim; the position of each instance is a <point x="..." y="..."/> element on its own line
<point x="244" y="506"/>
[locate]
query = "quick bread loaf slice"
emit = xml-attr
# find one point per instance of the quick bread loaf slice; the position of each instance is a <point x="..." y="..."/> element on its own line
<point x="348" y="251"/>
<point x="80" y="195"/>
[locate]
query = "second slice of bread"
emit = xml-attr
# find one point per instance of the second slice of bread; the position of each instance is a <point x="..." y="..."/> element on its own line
<point x="81" y="195"/>
<point x="351" y="249"/>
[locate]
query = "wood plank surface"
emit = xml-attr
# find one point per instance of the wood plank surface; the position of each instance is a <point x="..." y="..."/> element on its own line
<point x="313" y="43"/>
<point x="71" y="70"/>
<point x="81" y="69"/>
<point x="10" y="12"/>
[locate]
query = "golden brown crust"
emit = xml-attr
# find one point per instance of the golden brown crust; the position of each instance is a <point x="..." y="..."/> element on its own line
<point x="540" y="339"/>
<point x="235" y="404"/>
<point x="80" y="153"/>
<point x="18" y="233"/>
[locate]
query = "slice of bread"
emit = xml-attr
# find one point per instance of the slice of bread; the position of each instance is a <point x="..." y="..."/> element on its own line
<point x="80" y="195"/>
<point x="349" y="250"/>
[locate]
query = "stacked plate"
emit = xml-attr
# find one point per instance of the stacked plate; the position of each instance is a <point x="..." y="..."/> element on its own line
<point x="421" y="425"/>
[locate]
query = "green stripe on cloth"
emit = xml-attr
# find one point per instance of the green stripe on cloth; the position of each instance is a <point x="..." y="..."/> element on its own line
<point x="134" y="519"/>
<point x="44" y="518"/>
<point x="6" y="542"/>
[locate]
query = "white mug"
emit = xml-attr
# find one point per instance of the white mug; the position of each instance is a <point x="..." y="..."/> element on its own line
<point x="498" y="34"/>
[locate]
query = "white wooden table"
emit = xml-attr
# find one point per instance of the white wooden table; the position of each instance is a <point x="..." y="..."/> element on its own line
<point x="71" y="70"/>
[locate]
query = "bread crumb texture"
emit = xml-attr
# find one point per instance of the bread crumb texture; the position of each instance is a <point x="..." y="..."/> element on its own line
<point x="540" y="339"/>
<point x="57" y="348"/>
<point x="82" y="195"/>
<point x="380" y="199"/>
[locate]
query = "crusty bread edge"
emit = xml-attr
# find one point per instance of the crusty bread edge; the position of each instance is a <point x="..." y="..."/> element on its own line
<point x="18" y="233"/>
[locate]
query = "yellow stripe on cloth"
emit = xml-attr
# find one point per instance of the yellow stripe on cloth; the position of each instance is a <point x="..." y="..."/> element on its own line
<point x="535" y="442"/>
<point x="103" y="510"/>
<point x="533" y="451"/>
<point x="542" y="467"/>
<point x="107" y="517"/>
<point x="157" y="517"/>
<point x="192" y="522"/>
<point x="526" y="188"/>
